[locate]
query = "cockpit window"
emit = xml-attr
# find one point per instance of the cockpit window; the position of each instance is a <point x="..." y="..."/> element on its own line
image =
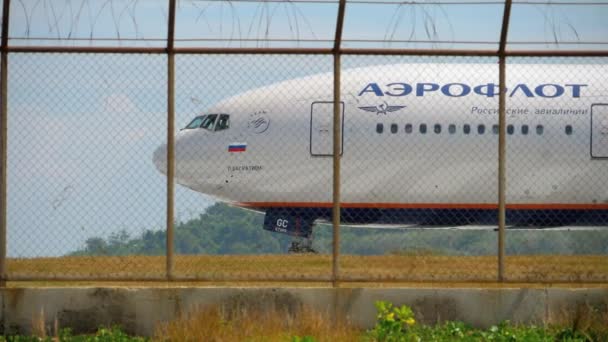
<point x="223" y="122"/>
<point x="209" y="122"/>
<point x="196" y="123"/>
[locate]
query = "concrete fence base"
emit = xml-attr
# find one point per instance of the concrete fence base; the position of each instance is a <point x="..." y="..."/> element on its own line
<point x="138" y="310"/>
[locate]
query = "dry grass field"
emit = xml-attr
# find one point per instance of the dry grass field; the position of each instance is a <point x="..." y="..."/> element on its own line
<point x="387" y="268"/>
<point x="257" y="323"/>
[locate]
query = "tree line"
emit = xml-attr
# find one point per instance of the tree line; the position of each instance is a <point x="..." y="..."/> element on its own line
<point x="222" y="229"/>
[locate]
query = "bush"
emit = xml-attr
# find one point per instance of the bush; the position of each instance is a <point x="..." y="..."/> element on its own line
<point x="393" y="323"/>
<point x="397" y="324"/>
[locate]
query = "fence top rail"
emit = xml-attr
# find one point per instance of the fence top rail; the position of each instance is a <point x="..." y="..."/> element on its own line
<point x="426" y="3"/>
<point x="304" y="40"/>
<point x="309" y="51"/>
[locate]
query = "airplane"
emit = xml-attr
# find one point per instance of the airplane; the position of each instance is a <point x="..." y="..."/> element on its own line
<point x="419" y="147"/>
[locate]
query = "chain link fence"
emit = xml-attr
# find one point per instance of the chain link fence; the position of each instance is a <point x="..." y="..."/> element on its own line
<point x="254" y="165"/>
<point x="414" y="158"/>
<point x="80" y="181"/>
<point x="246" y="139"/>
<point x="555" y="171"/>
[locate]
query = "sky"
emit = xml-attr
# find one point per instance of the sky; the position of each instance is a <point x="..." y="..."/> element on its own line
<point x="374" y="20"/>
<point x="82" y="128"/>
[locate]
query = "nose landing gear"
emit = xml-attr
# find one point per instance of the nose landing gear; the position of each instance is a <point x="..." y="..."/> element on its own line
<point x="302" y="245"/>
<point x="295" y="222"/>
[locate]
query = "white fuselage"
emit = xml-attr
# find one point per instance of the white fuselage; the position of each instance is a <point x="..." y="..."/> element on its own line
<point x="287" y="129"/>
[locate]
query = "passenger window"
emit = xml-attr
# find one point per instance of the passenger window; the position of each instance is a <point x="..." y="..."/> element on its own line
<point x="408" y="128"/>
<point x="495" y="129"/>
<point x="452" y="128"/>
<point x="481" y="129"/>
<point x="568" y="130"/>
<point x="223" y="122"/>
<point x="423" y="128"/>
<point x="510" y="129"/>
<point x="539" y="129"/>
<point x="379" y="128"/>
<point x="524" y="129"/>
<point x="394" y="128"/>
<point x="466" y="129"/>
<point x="437" y="128"/>
<point x="196" y="123"/>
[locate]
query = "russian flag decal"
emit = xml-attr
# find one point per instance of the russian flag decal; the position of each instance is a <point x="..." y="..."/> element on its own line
<point x="237" y="147"/>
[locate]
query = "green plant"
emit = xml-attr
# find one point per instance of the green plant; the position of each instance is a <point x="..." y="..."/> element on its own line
<point x="583" y="323"/>
<point x="572" y="335"/>
<point x="113" y="334"/>
<point x="393" y="323"/>
<point x="456" y="329"/>
<point x="65" y="334"/>
<point x="303" y="339"/>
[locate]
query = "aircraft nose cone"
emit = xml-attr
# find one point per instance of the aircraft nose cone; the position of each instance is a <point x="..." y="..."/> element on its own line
<point x="160" y="158"/>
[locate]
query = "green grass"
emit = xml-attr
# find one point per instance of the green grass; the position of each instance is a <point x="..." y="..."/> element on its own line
<point x="112" y="334"/>
<point x="276" y="323"/>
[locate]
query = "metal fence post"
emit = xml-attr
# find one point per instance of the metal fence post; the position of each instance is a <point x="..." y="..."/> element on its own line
<point x="501" y="170"/>
<point x="336" y="177"/>
<point x="502" y="142"/>
<point x="337" y="146"/>
<point x="170" y="138"/>
<point x="4" y="140"/>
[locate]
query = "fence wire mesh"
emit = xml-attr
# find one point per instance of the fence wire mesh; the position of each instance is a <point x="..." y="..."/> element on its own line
<point x="87" y="158"/>
<point x="81" y="183"/>
<point x="415" y="157"/>
<point x="246" y="139"/>
<point x="556" y="171"/>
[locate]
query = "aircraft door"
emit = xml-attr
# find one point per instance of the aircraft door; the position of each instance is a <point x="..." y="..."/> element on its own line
<point x="321" y="129"/>
<point x="599" y="131"/>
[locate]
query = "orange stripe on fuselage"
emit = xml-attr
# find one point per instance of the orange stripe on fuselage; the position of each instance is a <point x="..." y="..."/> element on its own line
<point x="486" y="206"/>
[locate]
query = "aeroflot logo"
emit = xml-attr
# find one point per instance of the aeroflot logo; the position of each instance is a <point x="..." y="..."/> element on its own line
<point x="548" y="90"/>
